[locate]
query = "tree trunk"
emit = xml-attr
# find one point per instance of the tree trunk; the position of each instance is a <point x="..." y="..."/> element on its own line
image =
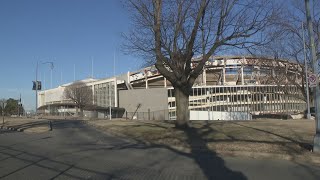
<point x="182" y="109"/>
<point x="81" y="112"/>
<point x="77" y="111"/>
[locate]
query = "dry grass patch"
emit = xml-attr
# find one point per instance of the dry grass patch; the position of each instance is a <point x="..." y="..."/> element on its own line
<point x="9" y="121"/>
<point x="39" y="129"/>
<point x="265" y="135"/>
<point x="28" y="125"/>
<point x="287" y="137"/>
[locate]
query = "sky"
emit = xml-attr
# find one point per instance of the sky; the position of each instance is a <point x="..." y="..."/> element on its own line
<point x="70" y="33"/>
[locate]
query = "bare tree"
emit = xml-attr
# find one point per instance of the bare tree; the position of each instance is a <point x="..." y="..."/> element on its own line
<point x="171" y="33"/>
<point x="283" y="73"/>
<point x="288" y="44"/>
<point x="80" y="94"/>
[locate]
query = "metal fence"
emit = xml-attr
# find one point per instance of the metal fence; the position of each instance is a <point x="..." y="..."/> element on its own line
<point x="239" y="102"/>
<point x="149" y="115"/>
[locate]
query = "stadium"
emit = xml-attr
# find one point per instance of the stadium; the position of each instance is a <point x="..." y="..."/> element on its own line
<point x="229" y="88"/>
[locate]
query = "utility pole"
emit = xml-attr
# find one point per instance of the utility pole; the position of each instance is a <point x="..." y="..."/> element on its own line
<point x="316" y="140"/>
<point x="306" y="73"/>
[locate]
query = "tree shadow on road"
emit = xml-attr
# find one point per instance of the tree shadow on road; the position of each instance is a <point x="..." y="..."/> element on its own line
<point x="59" y="168"/>
<point x="211" y="165"/>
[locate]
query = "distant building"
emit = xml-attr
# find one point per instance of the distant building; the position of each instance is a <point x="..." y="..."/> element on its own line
<point x="229" y="88"/>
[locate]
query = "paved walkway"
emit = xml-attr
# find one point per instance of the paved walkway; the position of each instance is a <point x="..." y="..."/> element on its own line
<point x="74" y="150"/>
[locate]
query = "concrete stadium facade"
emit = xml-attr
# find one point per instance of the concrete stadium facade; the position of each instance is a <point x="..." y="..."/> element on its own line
<point x="230" y="87"/>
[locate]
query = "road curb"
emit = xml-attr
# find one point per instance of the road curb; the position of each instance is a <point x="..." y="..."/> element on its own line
<point x="11" y="128"/>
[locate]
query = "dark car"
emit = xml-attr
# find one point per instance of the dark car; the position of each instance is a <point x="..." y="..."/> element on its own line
<point x="312" y="111"/>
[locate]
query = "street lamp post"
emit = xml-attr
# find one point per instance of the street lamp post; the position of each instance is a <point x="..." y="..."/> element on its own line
<point x="316" y="140"/>
<point x="2" y="114"/>
<point x="51" y="68"/>
<point x="110" y="110"/>
<point x="36" y="89"/>
<point x="306" y="73"/>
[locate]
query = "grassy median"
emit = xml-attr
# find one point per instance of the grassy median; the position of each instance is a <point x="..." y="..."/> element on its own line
<point x="286" y="138"/>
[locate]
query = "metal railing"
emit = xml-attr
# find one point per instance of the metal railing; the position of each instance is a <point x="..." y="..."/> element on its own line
<point x="148" y="115"/>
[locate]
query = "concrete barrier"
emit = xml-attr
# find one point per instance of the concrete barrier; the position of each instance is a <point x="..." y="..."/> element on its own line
<point x="219" y="115"/>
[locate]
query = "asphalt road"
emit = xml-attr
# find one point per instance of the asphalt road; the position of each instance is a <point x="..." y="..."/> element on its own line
<point x="76" y="151"/>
